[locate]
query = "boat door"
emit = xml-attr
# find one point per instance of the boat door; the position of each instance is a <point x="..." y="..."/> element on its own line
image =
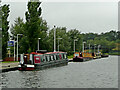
<point x="80" y="54"/>
<point x="25" y="59"/>
<point x="37" y="59"/>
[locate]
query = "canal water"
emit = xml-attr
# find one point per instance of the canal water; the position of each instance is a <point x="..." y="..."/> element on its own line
<point x="98" y="73"/>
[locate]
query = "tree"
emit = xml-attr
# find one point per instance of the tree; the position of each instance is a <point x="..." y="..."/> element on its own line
<point x="64" y="44"/>
<point x="5" y="27"/>
<point x="0" y="32"/>
<point x="35" y="27"/>
<point x="75" y="34"/>
<point x="19" y="28"/>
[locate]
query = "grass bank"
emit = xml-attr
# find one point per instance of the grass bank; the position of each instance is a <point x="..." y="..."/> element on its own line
<point x="10" y="61"/>
<point x="114" y="54"/>
<point x="70" y="56"/>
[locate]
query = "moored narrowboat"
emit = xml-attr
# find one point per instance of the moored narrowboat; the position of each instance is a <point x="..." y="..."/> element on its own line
<point x="77" y="57"/>
<point x="80" y="57"/>
<point x="42" y="60"/>
<point x="97" y="55"/>
<point x="103" y="55"/>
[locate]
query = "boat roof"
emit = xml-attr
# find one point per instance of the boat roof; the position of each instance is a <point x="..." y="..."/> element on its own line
<point x="54" y="52"/>
<point x="36" y="53"/>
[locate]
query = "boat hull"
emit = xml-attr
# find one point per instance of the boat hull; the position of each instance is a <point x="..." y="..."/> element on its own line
<point x="26" y="67"/>
<point x="81" y="59"/>
<point x="78" y="59"/>
<point x="104" y="56"/>
<point x="42" y="65"/>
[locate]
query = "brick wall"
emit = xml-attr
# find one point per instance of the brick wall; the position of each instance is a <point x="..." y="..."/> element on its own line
<point x="10" y="59"/>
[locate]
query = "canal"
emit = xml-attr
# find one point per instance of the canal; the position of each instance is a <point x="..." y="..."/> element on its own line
<point x="98" y="73"/>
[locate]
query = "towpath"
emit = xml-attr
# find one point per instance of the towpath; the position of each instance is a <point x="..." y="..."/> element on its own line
<point x="8" y="66"/>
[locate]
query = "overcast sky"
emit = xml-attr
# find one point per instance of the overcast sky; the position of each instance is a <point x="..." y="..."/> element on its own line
<point x="87" y="17"/>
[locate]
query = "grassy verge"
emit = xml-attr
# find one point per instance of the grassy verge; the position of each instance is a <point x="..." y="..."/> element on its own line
<point x="10" y="61"/>
<point x="71" y="56"/>
<point x="114" y="53"/>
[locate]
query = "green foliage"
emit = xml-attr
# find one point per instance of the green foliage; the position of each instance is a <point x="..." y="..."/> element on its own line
<point x="70" y="57"/>
<point x="63" y="43"/>
<point x="0" y="44"/>
<point x="75" y="34"/>
<point x="5" y="27"/>
<point x="19" y="28"/>
<point x="35" y="27"/>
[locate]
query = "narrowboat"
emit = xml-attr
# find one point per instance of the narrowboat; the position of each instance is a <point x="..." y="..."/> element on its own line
<point x="97" y="55"/>
<point x="103" y="55"/>
<point x="80" y="57"/>
<point x="40" y="60"/>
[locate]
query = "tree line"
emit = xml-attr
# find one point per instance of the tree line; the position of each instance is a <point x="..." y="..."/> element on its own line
<point x="35" y="27"/>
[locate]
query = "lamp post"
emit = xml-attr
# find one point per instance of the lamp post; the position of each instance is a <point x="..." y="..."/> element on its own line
<point x="58" y="43"/>
<point x="14" y="47"/>
<point x="98" y="48"/>
<point x="94" y="48"/>
<point x="38" y="43"/>
<point x="17" y="44"/>
<point x="74" y="44"/>
<point x="83" y="46"/>
<point x="89" y="48"/>
<point x="54" y="39"/>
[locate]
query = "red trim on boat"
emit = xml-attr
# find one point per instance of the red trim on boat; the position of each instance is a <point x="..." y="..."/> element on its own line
<point x="27" y="68"/>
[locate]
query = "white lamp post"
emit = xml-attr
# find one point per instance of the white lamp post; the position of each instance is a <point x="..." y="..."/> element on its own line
<point x="83" y="46"/>
<point x="94" y="48"/>
<point x="98" y="48"/>
<point x="38" y="43"/>
<point x="54" y="39"/>
<point x="74" y="44"/>
<point x="58" y="43"/>
<point x="89" y="48"/>
<point x="17" y="44"/>
<point x="14" y="48"/>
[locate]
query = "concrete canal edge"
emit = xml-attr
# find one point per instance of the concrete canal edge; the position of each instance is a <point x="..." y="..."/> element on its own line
<point x="8" y="69"/>
<point x="5" y="67"/>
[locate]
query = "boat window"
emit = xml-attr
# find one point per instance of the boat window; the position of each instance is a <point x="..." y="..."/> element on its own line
<point x="76" y="54"/>
<point x="52" y="57"/>
<point x="63" y="56"/>
<point x="57" y="57"/>
<point x="42" y="59"/>
<point x="46" y="58"/>
<point x="49" y="58"/>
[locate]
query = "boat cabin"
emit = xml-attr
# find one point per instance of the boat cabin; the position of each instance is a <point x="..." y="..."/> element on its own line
<point x="37" y="58"/>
